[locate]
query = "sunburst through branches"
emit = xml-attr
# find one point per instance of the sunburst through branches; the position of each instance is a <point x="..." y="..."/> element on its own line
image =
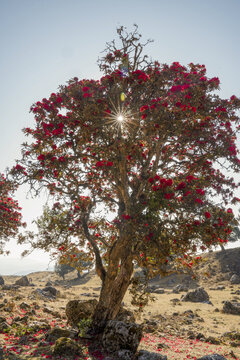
<point x="121" y="118"/>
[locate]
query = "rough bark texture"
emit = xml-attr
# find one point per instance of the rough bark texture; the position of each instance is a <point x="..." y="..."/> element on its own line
<point x="113" y="290"/>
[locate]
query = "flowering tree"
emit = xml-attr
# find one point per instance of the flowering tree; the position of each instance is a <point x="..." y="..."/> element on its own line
<point x="10" y="216"/>
<point x="133" y="161"/>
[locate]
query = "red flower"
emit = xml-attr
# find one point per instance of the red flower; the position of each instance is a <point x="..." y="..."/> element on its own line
<point x="150" y="180"/>
<point x="19" y="167"/>
<point x="126" y="217"/>
<point x="200" y="191"/>
<point x="143" y="108"/>
<point x="59" y="99"/>
<point x="168" y="196"/>
<point x="62" y="159"/>
<point x="207" y="214"/>
<point x="41" y="157"/>
<point x="169" y="182"/>
<point x="100" y="163"/>
<point x="181" y="186"/>
<point x="109" y="163"/>
<point x="196" y="222"/>
<point x="229" y="211"/>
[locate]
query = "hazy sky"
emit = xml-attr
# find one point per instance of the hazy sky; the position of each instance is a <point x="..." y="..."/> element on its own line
<point x="44" y="43"/>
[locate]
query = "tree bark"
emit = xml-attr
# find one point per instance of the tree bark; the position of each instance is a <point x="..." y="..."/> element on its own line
<point x="112" y="293"/>
<point x="222" y="247"/>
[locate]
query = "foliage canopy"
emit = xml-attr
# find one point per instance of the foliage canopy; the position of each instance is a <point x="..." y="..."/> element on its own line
<point x="149" y="143"/>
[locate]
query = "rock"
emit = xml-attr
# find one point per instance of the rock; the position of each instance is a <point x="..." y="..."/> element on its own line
<point x="56" y="333"/>
<point x="233" y="335"/>
<point x="4" y="326"/>
<point x="231" y="308"/>
<point x="123" y="355"/>
<point x="118" y="335"/>
<point x="1" y="280"/>
<point x="155" y="289"/>
<point x="38" y="325"/>
<point x="159" y="291"/>
<point x="2" y="319"/>
<point x="178" y="288"/>
<point x="147" y="355"/>
<point x="162" y="346"/>
<point x="66" y="347"/>
<point x="213" y="340"/>
<point x="219" y="287"/>
<point x="47" y="310"/>
<point x="212" y="357"/>
<point x="125" y="315"/>
<point x="51" y="290"/>
<point x="24" y="306"/>
<point x="235" y="279"/>
<point x="23" y="281"/>
<point x="76" y="310"/>
<point x="197" y="295"/>
<point x="42" y="294"/>
<point x="49" y="283"/>
<point x="10" y="287"/>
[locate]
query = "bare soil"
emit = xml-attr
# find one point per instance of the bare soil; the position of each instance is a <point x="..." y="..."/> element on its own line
<point x="180" y="330"/>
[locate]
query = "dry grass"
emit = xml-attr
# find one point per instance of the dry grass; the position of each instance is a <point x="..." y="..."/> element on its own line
<point x="174" y="326"/>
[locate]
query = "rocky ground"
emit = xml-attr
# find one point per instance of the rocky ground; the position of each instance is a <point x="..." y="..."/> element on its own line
<point x="181" y="324"/>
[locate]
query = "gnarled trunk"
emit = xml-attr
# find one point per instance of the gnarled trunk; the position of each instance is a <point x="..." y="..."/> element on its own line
<point x="113" y="290"/>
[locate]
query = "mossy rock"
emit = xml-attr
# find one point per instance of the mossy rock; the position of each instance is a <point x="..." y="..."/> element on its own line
<point x="66" y="347"/>
<point x="56" y="333"/>
<point x="77" y="310"/>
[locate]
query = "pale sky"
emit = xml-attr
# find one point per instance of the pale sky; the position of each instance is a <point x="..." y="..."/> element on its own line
<point x="44" y="43"/>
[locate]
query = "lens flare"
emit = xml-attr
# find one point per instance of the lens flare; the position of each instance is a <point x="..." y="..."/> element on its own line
<point x="120" y="118"/>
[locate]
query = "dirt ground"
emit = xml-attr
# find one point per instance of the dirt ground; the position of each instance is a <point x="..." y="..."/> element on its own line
<point x="180" y="330"/>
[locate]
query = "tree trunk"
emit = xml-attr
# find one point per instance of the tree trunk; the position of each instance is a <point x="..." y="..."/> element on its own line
<point x="112" y="293"/>
<point x="222" y="247"/>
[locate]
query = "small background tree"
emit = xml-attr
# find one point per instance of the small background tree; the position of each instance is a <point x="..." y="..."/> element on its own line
<point x="62" y="269"/>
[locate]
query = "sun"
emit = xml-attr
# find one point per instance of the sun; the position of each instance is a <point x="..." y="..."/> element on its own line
<point x="120" y="117"/>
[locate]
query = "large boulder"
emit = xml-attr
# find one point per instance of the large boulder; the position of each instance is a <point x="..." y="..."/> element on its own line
<point x="23" y="281"/>
<point x="51" y="290"/>
<point x="235" y="279"/>
<point x="1" y="280"/>
<point x="212" y="357"/>
<point x="77" y="310"/>
<point x="119" y="335"/>
<point x="197" y="295"/>
<point x="231" y="308"/>
<point x="146" y="355"/>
